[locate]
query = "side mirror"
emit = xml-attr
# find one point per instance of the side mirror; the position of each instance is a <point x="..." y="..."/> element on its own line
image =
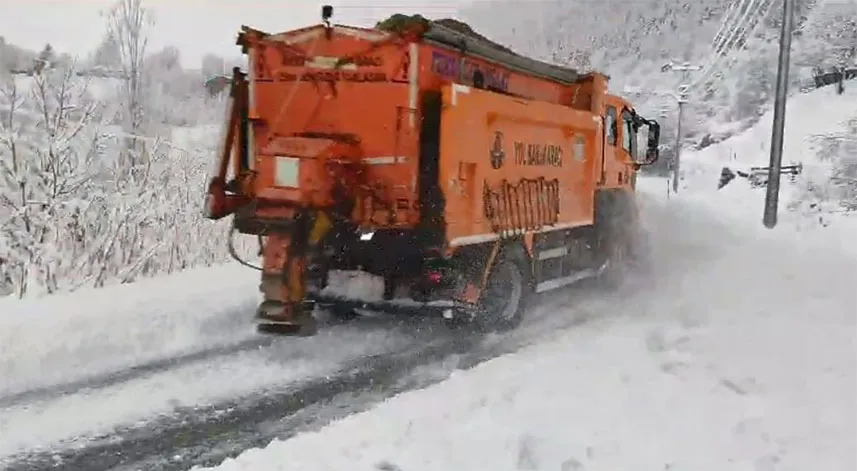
<point x="653" y="139"/>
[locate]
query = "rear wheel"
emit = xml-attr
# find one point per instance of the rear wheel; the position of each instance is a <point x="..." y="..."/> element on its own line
<point x="506" y="294"/>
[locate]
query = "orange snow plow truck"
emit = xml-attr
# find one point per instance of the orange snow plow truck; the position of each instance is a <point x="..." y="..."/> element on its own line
<point x="465" y="176"/>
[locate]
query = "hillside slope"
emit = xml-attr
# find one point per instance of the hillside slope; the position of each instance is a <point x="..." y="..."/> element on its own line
<point x="820" y="134"/>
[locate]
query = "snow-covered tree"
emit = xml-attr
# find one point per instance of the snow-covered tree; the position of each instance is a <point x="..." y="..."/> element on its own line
<point x="829" y="36"/>
<point x="72" y="217"/>
<point x="50" y="154"/>
<point x="14" y="59"/>
<point x="630" y="41"/>
<point x="46" y="58"/>
<point x="168" y="83"/>
<point x="107" y="55"/>
<point x="213" y="64"/>
<point x="128" y="25"/>
<point x="79" y="206"/>
<point x="841" y="152"/>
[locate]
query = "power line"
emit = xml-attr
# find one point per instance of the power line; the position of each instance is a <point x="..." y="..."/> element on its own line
<point x="726" y="28"/>
<point x="732" y="21"/>
<point x="753" y="15"/>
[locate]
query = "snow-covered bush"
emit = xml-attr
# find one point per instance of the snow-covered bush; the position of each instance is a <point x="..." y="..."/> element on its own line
<point x="833" y="186"/>
<point x="101" y="175"/>
<point x="52" y="152"/>
<point x="829" y="36"/>
<point x="75" y="214"/>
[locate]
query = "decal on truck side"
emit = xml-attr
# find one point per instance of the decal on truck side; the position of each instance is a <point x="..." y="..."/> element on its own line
<point x="543" y="155"/>
<point x="322" y="68"/>
<point x="498" y="154"/>
<point x="334" y="76"/>
<point x="528" y="205"/>
<point x="463" y="71"/>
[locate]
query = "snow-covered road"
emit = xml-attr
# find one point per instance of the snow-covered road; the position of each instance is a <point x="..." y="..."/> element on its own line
<point x="696" y="344"/>
<point x="112" y="395"/>
<point x="741" y="355"/>
<point x="736" y="351"/>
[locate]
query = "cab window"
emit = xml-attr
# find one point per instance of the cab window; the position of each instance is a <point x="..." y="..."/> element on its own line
<point x="629" y="135"/>
<point x="611" y="127"/>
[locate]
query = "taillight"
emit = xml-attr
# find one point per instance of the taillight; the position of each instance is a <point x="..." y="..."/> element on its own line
<point x="434" y="276"/>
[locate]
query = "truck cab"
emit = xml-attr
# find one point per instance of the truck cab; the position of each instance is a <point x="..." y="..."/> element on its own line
<point x="622" y="157"/>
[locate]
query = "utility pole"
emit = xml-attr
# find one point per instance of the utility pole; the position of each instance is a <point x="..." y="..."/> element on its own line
<point x="683" y="98"/>
<point x="772" y="194"/>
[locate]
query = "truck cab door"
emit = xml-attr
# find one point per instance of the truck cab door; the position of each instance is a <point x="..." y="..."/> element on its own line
<point x="629" y="137"/>
<point x="629" y="153"/>
<point x="611" y="136"/>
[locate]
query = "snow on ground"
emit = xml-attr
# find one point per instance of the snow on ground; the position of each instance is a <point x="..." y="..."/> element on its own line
<point x="809" y="116"/>
<point x="199" y="322"/>
<point x="745" y="359"/>
<point x="742" y="355"/>
<point x="75" y="420"/>
<point x="66" y="337"/>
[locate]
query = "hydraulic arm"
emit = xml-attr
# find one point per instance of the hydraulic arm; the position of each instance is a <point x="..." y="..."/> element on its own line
<point x="224" y="198"/>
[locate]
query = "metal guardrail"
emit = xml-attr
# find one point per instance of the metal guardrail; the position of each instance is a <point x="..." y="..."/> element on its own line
<point x="757" y="176"/>
<point x="825" y="79"/>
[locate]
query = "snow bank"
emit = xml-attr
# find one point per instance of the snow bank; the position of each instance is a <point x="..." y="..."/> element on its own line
<point x="809" y="116"/>
<point x="96" y="331"/>
<point x="742" y="359"/>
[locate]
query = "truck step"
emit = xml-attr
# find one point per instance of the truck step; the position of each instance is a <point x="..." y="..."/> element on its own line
<point x="556" y="283"/>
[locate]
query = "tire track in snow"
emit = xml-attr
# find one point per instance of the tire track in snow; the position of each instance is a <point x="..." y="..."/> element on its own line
<point x="117" y="377"/>
<point x="201" y="428"/>
<point x="113" y="378"/>
<point x="207" y="435"/>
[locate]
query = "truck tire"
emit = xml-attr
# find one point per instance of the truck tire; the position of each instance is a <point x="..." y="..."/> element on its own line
<point x="507" y="293"/>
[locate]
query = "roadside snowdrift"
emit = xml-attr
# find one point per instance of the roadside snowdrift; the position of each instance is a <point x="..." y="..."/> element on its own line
<point x="810" y="118"/>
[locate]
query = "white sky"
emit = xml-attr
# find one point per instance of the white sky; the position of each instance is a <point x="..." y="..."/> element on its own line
<point x="194" y="26"/>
